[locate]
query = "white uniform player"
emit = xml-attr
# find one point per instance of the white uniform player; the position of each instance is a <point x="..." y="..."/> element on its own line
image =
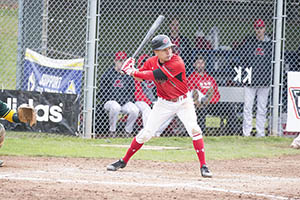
<point x="257" y="57"/>
<point x="114" y="109"/>
<point x="169" y="75"/>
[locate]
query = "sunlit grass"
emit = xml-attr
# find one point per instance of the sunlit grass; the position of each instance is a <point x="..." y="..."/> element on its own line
<point x="217" y="148"/>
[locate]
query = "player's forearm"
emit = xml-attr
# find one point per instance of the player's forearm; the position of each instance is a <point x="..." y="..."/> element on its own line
<point x="8" y="114"/>
<point x="11" y="116"/>
<point x="145" y="75"/>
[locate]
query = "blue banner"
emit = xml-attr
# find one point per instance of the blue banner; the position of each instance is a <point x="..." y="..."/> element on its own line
<point x="43" y="74"/>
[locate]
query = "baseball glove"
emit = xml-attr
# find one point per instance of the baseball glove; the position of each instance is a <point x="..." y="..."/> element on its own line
<point x="27" y="114"/>
<point x="209" y="94"/>
<point x="2" y="135"/>
<point x="202" y="100"/>
<point x="196" y="100"/>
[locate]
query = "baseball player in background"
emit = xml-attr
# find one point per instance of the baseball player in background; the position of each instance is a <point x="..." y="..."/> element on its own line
<point x="206" y="87"/>
<point x="116" y="93"/>
<point x="256" y="54"/>
<point x="167" y="70"/>
<point x="25" y="114"/>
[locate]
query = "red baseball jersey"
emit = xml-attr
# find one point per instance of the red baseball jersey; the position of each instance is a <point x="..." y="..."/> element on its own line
<point x="174" y="69"/>
<point x="203" y="83"/>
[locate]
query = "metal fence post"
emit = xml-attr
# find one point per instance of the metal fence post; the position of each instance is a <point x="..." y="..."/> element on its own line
<point x="89" y="68"/>
<point x="45" y="27"/>
<point x="277" y="69"/>
<point x="20" y="46"/>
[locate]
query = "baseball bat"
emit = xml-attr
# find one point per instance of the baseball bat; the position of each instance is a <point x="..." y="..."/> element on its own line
<point x="149" y="34"/>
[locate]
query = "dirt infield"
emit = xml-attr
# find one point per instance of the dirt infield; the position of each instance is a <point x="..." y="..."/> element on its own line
<point x="80" y="178"/>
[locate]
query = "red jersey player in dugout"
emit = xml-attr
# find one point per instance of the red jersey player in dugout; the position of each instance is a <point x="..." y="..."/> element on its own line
<point x="167" y="70"/>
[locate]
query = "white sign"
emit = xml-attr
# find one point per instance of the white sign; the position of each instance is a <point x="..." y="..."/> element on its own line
<point x="293" y="118"/>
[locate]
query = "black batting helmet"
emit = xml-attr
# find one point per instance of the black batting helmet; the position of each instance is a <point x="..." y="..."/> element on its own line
<point x="160" y="42"/>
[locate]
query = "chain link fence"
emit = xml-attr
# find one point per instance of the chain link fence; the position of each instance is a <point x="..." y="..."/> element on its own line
<point x="51" y="35"/>
<point x="8" y="43"/>
<point x="291" y="49"/>
<point x="221" y="32"/>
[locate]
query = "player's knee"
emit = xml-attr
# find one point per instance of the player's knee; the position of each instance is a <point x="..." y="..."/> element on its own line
<point x="115" y="109"/>
<point x="146" y="109"/>
<point x="134" y="112"/>
<point x="143" y="136"/>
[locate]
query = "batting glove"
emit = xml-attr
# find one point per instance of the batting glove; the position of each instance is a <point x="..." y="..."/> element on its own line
<point x="128" y="66"/>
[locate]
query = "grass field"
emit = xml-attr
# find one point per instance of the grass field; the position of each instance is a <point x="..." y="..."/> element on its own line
<point x="217" y="148"/>
<point x="8" y="47"/>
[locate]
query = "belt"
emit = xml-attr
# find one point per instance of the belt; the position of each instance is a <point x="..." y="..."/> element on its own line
<point x="180" y="98"/>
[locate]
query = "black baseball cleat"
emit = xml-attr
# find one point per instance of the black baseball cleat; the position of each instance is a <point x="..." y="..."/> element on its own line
<point x="1" y="163"/>
<point x="205" y="172"/>
<point x="117" y="165"/>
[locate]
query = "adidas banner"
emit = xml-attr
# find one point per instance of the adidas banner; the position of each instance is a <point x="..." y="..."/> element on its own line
<point x="55" y="113"/>
<point x="293" y="118"/>
<point x="43" y="74"/>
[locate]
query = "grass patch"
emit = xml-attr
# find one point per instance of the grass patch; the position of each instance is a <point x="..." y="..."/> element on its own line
<point x="8" y="47"/>
<point x="217" y="148"/>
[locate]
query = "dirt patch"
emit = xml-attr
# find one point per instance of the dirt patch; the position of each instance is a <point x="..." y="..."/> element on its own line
<point x="80" y="178"/>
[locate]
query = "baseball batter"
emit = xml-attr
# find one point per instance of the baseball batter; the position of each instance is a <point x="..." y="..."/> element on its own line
<point x="25" y="114"/>
<point x="169" y="75"/>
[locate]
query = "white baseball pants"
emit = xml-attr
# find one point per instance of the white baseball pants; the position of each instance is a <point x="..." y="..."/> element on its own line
<point x="114" y="109"/>
<point x="145" y="110"/>
<point x="262" y="101"/>
<point x="163" y="110"/>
